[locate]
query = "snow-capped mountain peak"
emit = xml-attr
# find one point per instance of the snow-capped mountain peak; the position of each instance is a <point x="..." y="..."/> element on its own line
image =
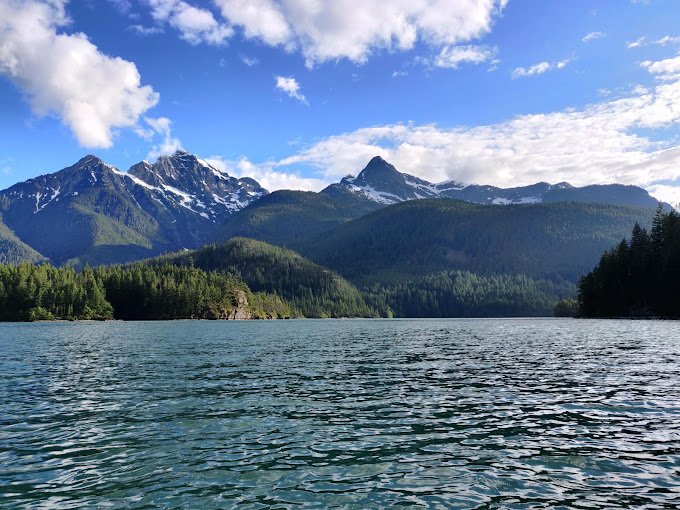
<point x="381" y="182"/>
<point x="194" y="184"/>
<point x="175" y="202"/>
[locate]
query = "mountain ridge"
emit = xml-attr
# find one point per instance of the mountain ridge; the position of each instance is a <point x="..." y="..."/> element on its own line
<point x="381" y="182"/>
<point x="93" y="213"/>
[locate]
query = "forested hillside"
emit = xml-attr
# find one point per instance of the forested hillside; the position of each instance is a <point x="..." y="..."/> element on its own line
<point x="447" y="257"/>
<point x="414" y="239"/>
<point x="311" y="290"/>
<point x="639" y="277"/>
<point x="466" y="294"/>
<point x="289" y="218"/>
<point x="13" y="250"/>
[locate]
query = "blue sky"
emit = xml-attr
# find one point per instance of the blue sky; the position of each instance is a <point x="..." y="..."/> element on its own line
<point x="504" y="92"/>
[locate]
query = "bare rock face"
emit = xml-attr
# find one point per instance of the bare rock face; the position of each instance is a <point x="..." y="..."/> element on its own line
<point x="240" y="312"/>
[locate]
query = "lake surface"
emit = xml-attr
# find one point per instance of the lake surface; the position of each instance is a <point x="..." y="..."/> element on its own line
<point x="341" y="413"/>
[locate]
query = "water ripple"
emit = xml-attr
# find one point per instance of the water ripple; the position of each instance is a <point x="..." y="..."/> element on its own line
<point x="355" y="414"/>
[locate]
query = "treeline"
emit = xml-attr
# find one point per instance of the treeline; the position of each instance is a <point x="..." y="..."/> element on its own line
<point x="135" y="292"/>
<point x="640" y="277"/>
<point x="466" y="294"/>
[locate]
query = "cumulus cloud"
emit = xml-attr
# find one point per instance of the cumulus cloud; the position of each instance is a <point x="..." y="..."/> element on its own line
<point x="665" y="69"/>
<point x="290" y="86"/>
<point x="344" y="29"/>
<point x="591" y="36"/>
<point x="453" y="56"/>
<point x="540" y="68"/>
<point x="66" y="75"/>
<point x="265" y="174"/>
<point x="195" y="25"/>
<point x="260" y="19"/>
<point x="168" y="144"/>
<point x="666" y="193"/>
<point x="600" y="143"/>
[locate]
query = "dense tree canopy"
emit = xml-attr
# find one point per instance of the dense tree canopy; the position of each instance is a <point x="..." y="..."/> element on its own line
<point x="312" y="290"/>
<point x="466" y="294"/>
<point x="29" y="292"/>
<point x="640" y="277"/>
<point x="136" y="292"/>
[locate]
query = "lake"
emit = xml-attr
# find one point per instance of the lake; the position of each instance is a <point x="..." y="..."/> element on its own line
<point x="505" y="413"/>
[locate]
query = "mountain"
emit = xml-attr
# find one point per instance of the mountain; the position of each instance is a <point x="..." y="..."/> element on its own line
<point x="93" y="213"/>
<point x="449" y="258"/>
<point x="195" y="185"/>
<point x="443" y="257"/>
<point x="417" y="238"/>
<point x="312" y="290"/>
<point x="288" y="218"/>
<point x="382" y="183"/>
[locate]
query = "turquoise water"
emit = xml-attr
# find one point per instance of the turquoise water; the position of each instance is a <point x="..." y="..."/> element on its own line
<point x="341" y="413"/>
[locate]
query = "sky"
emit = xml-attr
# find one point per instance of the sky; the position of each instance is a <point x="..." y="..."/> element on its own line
<point x="299" y="93"/>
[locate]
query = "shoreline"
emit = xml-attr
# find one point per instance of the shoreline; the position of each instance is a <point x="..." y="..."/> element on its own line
<point x="67" y="321"/>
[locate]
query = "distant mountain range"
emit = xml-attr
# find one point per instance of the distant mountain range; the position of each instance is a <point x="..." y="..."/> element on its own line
<point x="92" y="213"/>
<point x="381" y="182"/>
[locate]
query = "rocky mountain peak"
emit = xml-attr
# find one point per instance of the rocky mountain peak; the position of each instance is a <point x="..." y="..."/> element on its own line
<point x="87" y="161"/>
<point x="196" y="184"/>
<point x="380" y="171"/>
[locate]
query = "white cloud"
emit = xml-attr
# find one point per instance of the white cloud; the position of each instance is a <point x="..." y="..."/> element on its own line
<point x="290" y="86"/>
<point x="260" y="19"/>
<point x="452" y="56"/>
<point x="666" y="69"/>
<point x="668" y="39"/>
<point x="600" y="143"/>
<point x="268" y="178"/>
<point x="249" y="61"/>
<point x="591" y="36"/>
<point x="195" y="25"/>
<point x="345" y="29"/>
<point x="66" y="75"/>
<point x="540" y="68"/>
<point x="637" y="43"/>
<point x="144" y="30"/>
<point x="662" y="41"/>
<point x="666" y="193"/>
<point x="123" y="6"/>
<point x="169" y="144"/>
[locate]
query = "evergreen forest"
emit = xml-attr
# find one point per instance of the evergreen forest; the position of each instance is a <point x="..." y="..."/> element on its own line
<point x="640" y="277"/>
<point x="134" y="292"/>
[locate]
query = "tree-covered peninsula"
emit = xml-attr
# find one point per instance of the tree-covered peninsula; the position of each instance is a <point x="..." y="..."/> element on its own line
<point x="134" y="292"/>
